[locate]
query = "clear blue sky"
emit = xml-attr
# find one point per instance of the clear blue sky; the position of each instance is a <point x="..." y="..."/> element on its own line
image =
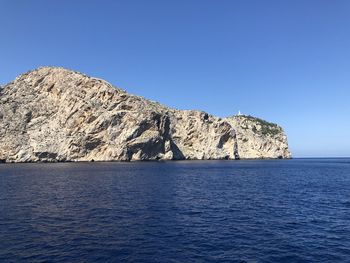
<point x="284" y="61"/>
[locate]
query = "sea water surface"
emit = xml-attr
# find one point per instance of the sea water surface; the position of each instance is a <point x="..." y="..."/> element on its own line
<point x="187" y="211"/>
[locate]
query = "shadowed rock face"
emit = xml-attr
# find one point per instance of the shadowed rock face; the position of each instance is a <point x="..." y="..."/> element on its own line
<point x="53" y="114"/>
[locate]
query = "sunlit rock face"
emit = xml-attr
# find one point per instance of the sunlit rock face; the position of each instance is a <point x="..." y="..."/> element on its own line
<point x="53" y="114"/>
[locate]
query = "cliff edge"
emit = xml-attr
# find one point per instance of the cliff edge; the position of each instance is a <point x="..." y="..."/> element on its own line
<point x="54" y="114"/>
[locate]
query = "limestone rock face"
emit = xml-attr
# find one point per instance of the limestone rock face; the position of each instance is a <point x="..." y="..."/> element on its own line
<point x="54" y="114"/>
<point x="257" y="138"/>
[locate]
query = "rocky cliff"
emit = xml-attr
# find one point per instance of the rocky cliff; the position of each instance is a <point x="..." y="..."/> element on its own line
<point x="54" y="114"/>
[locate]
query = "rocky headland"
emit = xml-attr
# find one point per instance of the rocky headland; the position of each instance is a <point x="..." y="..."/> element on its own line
<point x="53" y="114"/>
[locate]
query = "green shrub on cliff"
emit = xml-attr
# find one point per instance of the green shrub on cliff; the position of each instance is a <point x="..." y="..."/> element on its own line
<point x="267" y="128"/>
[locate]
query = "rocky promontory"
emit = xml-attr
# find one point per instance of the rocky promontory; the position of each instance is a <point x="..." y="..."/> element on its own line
<point x="54" y="114"/>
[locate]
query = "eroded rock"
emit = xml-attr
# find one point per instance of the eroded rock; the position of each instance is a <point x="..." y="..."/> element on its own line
<point x="53" y="114"/>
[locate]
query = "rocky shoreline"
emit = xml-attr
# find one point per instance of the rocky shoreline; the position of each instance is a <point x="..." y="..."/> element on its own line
<point x="57" y="115"/>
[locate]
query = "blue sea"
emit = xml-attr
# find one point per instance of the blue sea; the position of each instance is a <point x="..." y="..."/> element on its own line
<point x="185" y="211"/>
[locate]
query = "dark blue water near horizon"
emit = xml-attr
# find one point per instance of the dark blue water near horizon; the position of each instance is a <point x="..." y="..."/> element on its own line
<point x="188" y="211"/>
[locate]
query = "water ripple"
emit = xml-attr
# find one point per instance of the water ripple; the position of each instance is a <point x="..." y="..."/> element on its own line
<point x="224" y="211"/>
